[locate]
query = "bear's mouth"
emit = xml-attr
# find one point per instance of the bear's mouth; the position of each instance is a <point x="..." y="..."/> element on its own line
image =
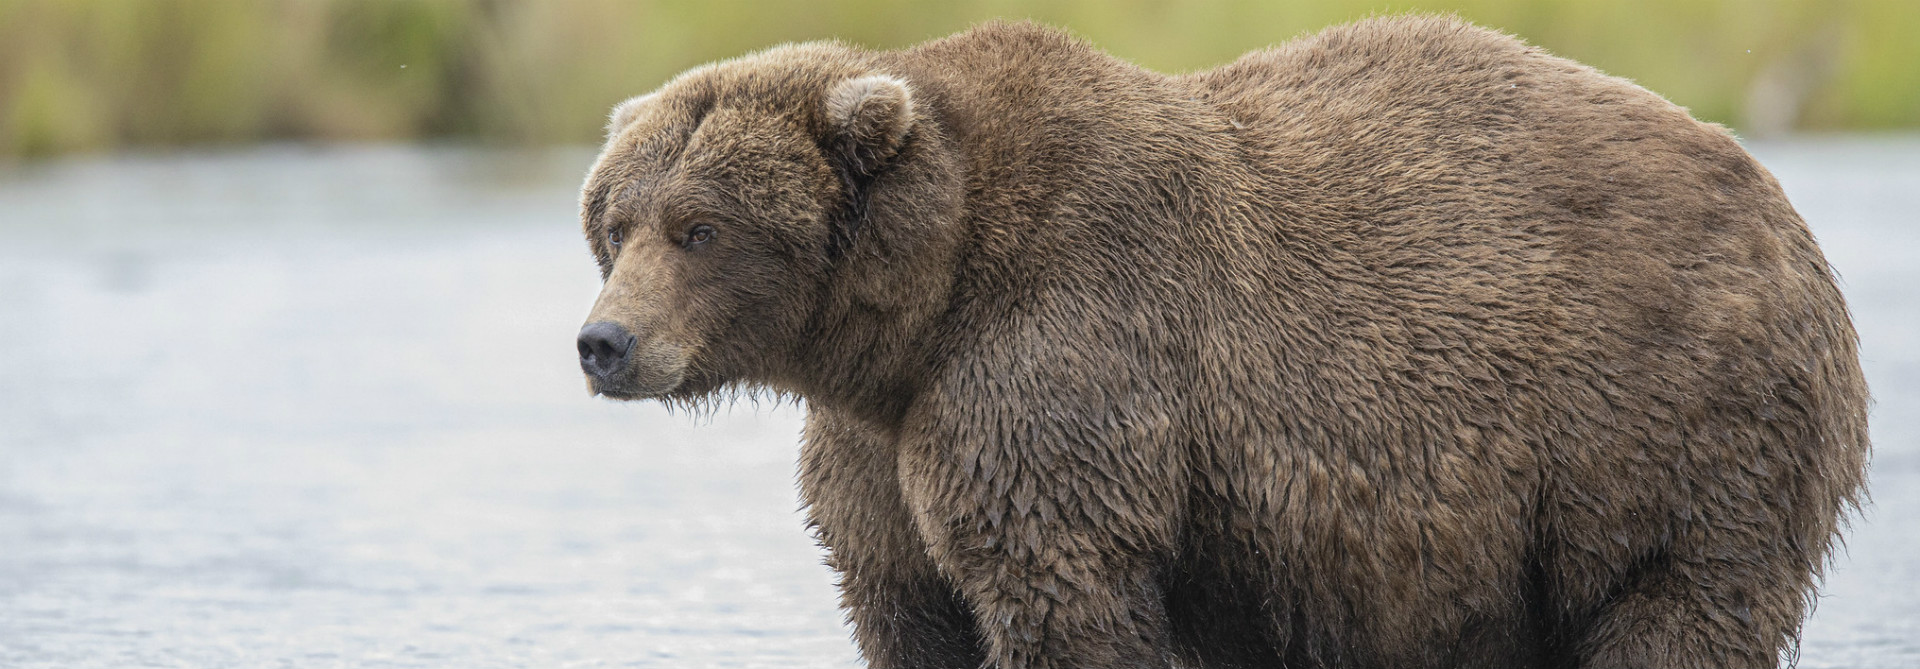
<point x="617" y="394"/>
<point x="690" y="387"/>
<point x="642" y="370"/>
<point x="627" y="387"/>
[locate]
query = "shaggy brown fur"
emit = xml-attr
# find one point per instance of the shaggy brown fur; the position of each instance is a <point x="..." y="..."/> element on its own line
<point x="1400" y="345"/>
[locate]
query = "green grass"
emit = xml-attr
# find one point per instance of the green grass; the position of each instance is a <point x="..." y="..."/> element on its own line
<point x="81" y="75"/>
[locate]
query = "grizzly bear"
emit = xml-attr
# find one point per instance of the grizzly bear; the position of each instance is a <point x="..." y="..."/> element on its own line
<point x="1404" y="344"/>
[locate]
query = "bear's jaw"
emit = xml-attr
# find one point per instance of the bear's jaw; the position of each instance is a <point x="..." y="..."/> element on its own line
<point x="615" y="390"/>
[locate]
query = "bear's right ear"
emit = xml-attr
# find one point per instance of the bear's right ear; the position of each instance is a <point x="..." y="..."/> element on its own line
<point x="624" y="113"/>
<point x="871" y="117"/>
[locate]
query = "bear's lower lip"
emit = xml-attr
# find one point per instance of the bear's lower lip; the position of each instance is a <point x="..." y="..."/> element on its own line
<point x="629" y="394"/>
<point x="627" y="390"/>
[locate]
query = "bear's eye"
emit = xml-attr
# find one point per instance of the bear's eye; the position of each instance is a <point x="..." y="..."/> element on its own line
<point x="699" y="234"/>
<point x="613" y="238"/>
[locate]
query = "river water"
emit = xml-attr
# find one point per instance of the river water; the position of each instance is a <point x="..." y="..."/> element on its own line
<point x="319" y="407"/>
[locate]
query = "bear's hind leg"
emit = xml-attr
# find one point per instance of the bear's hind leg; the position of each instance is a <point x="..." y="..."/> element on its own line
<point x="1674" y="616"/>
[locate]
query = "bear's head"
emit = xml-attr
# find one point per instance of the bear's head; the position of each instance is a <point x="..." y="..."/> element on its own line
<point x="783" y="220"/>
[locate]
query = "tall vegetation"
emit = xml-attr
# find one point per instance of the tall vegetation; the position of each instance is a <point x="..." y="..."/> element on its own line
<point x="94" y="74"/>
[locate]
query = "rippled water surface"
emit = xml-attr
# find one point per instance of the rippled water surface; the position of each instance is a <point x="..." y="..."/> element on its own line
<point x="295" y="407"/>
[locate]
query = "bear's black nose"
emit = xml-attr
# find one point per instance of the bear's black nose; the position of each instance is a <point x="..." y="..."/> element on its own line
<point x="603" y="348"/>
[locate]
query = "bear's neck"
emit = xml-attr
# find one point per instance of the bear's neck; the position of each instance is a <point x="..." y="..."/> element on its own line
<point x="873" y="339"/>
<point x="866" y="360"/>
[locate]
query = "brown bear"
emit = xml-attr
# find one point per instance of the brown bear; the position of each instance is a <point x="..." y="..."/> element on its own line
<point x="1400" y="345"/>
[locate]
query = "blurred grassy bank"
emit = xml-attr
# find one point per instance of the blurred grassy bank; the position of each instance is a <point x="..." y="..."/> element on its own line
<point x="81" y="75"/>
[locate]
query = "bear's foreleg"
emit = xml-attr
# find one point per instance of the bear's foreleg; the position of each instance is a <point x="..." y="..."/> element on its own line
<point x="1056" y="531"/>
<point x="904" y="613"/>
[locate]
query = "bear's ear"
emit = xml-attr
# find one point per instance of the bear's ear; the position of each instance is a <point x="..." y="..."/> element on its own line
<point x="870" y="117"/>
<point x="624" y="113"/>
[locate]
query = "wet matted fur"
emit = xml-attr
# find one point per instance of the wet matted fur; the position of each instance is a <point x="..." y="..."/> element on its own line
<point x="1400" y="345"/>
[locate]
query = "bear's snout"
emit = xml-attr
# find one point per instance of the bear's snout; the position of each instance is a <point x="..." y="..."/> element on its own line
<point x="603" y="349"/>
<point x="623" y="364"/>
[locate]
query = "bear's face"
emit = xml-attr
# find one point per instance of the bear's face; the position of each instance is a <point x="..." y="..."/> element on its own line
<point x="712" y="213"/>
